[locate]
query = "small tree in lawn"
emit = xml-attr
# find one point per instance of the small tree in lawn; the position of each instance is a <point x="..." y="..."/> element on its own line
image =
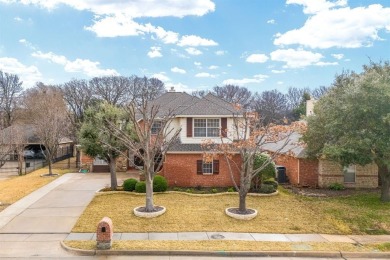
<point x="247" y="139"/>
<point x="152" y="137"/>
<point x="97" y="141"/>
<point x="46" y="112"/>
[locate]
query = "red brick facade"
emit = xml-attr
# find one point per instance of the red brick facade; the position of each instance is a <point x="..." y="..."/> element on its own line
<point x="181" y="171"/>
<point x="300" y="171"/>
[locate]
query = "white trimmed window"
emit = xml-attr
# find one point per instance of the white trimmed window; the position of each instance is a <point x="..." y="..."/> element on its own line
<point x="209" y="127"/>
<point x="156" y="127"/>
<point x="350" y="174"/>
<point x="207" y="168"/>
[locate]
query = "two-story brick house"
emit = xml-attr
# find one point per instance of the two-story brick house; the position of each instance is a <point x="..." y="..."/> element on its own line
<point x="199" y="119"/>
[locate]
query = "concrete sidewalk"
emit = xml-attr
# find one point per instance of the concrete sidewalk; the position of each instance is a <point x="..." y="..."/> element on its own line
<point x="353" y="239"/>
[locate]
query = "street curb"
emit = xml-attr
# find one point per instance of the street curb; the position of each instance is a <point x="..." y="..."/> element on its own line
<point x="326" y="254"/>
<point x="323" y="254"/>
<point x="372" y="255"/>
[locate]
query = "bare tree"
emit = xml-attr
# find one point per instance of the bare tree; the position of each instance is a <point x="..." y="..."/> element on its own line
<point x="247" y="140"/>
<point x="294" y="97"/>
<point x="47" y="114"/>
<point x="151" y="147"/>
<point x="199" y="93"/>
<point x="271" y="106"/>
<point x="116" y="90"/>
<point x="144" y="88"/>
<point x="10" y="88"/>
<point x="234" y="94"/>
<point x="319" y="92"/>
<point x="78" y="96"/>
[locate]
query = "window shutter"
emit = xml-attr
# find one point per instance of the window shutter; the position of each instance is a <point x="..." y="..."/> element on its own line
<point x="189" y="126"/>
<point x="224" y="127"/>
<point x="216" y="167"/>
<point x="199" y="167"/>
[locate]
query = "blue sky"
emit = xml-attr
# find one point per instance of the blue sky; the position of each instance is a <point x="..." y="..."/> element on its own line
<point x="193" y="44"/>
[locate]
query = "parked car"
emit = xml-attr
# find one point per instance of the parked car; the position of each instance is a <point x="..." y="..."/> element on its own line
<point x="28" y="154"/>
<point x="39" y="154"/>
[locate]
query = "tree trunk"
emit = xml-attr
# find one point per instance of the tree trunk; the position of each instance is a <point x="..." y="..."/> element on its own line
<point x="114" y="181"/>
<point x="50" y="166"/>
<point x="20" y="165"/>
<point x="384" y="173"/>
<point x="149" y="192"/>
<point x="242" y="203"/>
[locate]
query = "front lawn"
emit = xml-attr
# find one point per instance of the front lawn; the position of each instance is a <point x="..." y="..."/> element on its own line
<point x="284" y="213"/>
<point x="15" y="188"/>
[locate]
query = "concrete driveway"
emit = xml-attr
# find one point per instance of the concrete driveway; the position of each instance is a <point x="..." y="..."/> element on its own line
<point x="34" y="225"/>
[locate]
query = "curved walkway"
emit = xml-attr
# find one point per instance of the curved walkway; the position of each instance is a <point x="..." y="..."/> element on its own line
<point x="35" y="225"/>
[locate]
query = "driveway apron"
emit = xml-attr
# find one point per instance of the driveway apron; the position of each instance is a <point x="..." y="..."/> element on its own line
<point x="52" y="210"/>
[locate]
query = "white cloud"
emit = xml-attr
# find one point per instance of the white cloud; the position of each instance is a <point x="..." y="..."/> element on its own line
<point x="280" y="82"/>
<point x="193" y="40"/>
<point x="198" y="64"/>
<point x="193" y="51"/>
<point x="27" y="44"/>
<point x="28" y="74"/>
<point x="338" y="56"/>
<point x="18" y="19"/>
<point x="312" y="7"/>
<point x="257" y="58"/>
<point x="213" y="67"/>
<point x="180" y="87"/>
<point x="220" y="52"/>
<point x="155" y="52"/>
<point x="245" y="81"/>
<point x="178" y="70"/>
<point x="278" y="71"/>
<point x="229" y="65"/>
<point x="115" y="18"/>
<point x="339" y="27"/>
<point x="85" y="66"/>
<point x="272" y="21"/>
<point x="205" y="75"/>
<point x="134" y="8"/>
<point x="296" y="58"/>
<point x="323" y="63"/>
<point x="161" y="76"/>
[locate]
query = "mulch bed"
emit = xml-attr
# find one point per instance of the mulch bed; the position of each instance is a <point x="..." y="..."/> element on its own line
<point x="317" y="192"/>
<point x="236" y="211"/>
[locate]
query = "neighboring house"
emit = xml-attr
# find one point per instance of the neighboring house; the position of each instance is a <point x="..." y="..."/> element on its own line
<point x="199" y="118"/>
<point x="302" y="171"/>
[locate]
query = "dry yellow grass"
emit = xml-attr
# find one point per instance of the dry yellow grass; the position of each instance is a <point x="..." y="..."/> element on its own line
<point x="283" y="213"/>
<point x="221" y="246"/>
<point x="15" y="188"/>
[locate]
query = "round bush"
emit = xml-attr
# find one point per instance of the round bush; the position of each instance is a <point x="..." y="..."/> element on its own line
<point x="140" y="187"/>
<point x="271" y="182"/>
<point x="160" y="184"/>
<point x="129" y="184"/>
<point x="266" y="188"/>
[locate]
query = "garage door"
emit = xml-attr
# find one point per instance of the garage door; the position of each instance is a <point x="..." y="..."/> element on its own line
<point x="100" y="165"/>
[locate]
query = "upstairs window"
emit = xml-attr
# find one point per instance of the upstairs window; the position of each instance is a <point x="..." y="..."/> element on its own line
<point x="206" y="127"/>
<point x="156" y="127"/>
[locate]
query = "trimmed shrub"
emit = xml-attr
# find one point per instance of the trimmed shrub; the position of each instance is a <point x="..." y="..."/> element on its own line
<point x="266" y="188"/>
<point x="129" y="184"/>
<point x="271" y="182"/>
<point x="140" y="187"/>
<point x="214" y="190"/>
<point x="160" y="184"/>
<point x="336" y="186"/>
<point x="231" y="189"/>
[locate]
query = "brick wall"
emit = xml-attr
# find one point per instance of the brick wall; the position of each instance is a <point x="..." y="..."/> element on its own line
<point x="332" y="172"/>
<point x="291" y="165"/>
<point x="308" y="172"/>
<point x="180" y="171"/>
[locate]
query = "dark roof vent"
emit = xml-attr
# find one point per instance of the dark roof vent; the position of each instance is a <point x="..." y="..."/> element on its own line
<point x="172" y="89"/>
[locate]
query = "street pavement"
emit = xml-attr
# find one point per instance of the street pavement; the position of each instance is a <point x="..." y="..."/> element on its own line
<point x="34" y="226"/>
